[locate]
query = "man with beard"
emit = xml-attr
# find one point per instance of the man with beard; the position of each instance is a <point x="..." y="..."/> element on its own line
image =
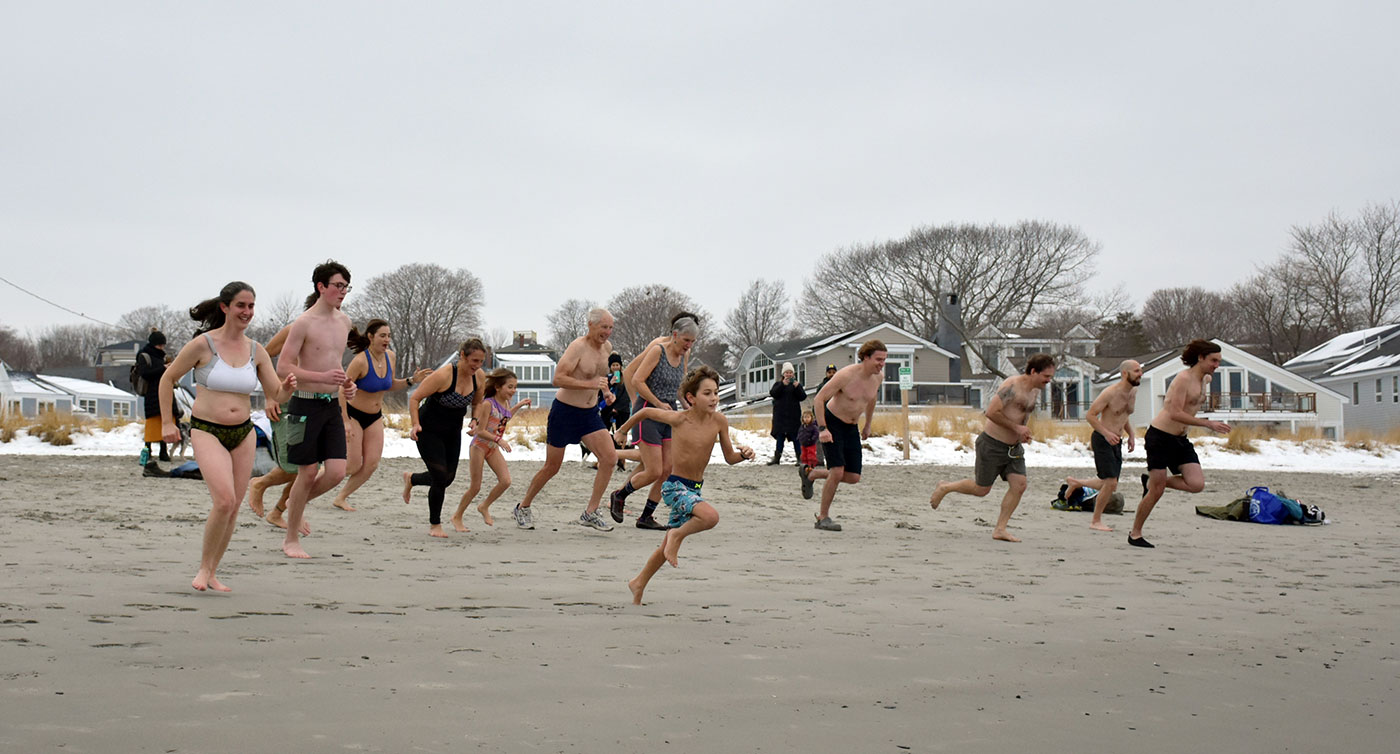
<point x="1111" y="417"/>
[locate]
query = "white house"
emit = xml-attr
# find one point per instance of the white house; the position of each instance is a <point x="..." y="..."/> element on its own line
<point x="534" y="376"/>
<point x="93" y="398"/>
<point x="1075" y="352"/>
<point x="1244" y="390"/>
<point x="759" y="364"/>
<point x="1364" y="366"/>
<point x="23" y="394"/>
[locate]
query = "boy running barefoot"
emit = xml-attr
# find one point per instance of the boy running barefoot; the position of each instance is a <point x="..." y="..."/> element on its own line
<point x="693" y="434"/>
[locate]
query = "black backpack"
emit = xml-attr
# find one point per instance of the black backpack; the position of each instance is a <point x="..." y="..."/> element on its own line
<point x="138" y="383"/>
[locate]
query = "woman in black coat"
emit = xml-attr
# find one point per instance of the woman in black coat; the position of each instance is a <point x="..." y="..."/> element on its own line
<point x="787" y="395"/>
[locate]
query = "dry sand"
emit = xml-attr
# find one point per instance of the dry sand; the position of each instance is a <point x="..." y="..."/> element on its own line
<point x="771" y="636"/>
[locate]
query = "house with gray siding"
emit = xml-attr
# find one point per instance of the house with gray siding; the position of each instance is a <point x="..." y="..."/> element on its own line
<point x="1364" y="366"/>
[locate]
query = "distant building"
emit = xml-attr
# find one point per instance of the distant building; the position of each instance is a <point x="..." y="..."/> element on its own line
<point x="533" y="365"/>
<point x="1364" y="366"/>
<point x="1007" y="348"/>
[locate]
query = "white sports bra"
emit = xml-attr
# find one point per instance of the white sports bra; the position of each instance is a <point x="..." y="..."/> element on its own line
<point x="218" y="375"/>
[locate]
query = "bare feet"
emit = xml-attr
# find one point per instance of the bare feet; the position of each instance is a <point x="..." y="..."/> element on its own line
<point x="274" y="517"/>
<point x="485" y="512"/>
<point x="293" y="550"/>
<point x="204" y="580"/>
<point x="671" y="547"/>
<point x="1004" y="536"/>
<point x="436" y="531"/>
<point x="343" y="504"/>
<point x="407" y="487"/>
<point x="937" y="497"/>
<point x="1100" y="526"/>
<point x="457" y="524"/>
<point x="1071" y="487"/>
<point x="636" y="591"/>
<point x="255" y="500"/>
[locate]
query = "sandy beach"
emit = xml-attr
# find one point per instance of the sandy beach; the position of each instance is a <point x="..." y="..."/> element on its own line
<point x="909" y="631"/>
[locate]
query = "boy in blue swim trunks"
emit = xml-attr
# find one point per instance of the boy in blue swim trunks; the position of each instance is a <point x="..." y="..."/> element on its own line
<point x="693" y="435"/>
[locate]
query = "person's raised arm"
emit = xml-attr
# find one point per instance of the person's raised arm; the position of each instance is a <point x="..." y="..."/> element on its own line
<point x="186" y="360"/>
<point x="655" y="414"/>
<point x="1095" y="417"/>
<point x="275" y="391"/>
<point x="732" y="454"/>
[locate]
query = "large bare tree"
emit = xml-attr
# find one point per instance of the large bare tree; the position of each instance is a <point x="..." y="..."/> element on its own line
<point x="1174" y="316"/>
<point x="272" y="314"/>
<point x="760" y="316"/>
<point x="73" y="345"/>
<point x="431" y="309"/>
<point x="174" y="323"/>
<point x="568" y="321"/>
<point x="1378" y="236"/>
<point x="1274" y="311"/>
<point x="1330" y="257"/>
<point x="643" y="312"/>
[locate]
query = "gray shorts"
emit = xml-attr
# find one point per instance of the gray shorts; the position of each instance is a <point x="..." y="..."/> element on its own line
<point x="997" y="459"/>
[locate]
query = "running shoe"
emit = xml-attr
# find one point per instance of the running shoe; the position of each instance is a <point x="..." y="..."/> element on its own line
<point x="826" y="524"/>
<point x="523" y="518"/>
<point x="647" y="522"/>
<point x="595" y="520"/>
<point x="615" y="502"/>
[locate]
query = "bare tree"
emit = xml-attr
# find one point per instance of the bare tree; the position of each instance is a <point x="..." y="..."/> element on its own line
<point x="431" y="309"/>
<point x="174" y="323"/>
<point x="644" y="312"/>
<point x="1003" y="275"/>
<point x="1331" y="257"/>
<point x="274" y="314"/>
<point x="73" y="345"/>
<point x="1174" y="316"/>
<point x="1273" y="310"/>
<point x="17" y="350"/>
<point x="760" y="316"/>
<point x="569" y="321"/>
<point x="1378" y="236"/>
<point x="1122" y="335"/>
<point x="495" y="337"/>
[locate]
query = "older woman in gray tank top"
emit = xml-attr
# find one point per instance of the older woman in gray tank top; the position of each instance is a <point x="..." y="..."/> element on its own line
<point x="656" y="382"/>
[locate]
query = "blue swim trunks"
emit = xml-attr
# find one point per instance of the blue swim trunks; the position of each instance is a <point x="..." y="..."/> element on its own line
<point x="681" y="495"/>
<point x="567" y="425"/>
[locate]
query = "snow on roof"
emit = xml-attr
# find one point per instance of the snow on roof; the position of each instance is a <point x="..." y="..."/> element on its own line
<point x="1342" y="346"/>
<point x="1378" y="362"/>
<point x="523" y="358"/>
<point x="19" y="384"/>
<point x="86" y="387"/>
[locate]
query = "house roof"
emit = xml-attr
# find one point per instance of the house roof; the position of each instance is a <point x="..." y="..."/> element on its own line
<point x="795" y="348"/>
<point x="125" y="345"/>
<point x="28" y="384"/>
<point x="1239" y="356"/>
<point x="524" y="358"/>
<point x="1344" y="346"/>
<point x="1382" y="356"/>
<point x="85" y="387"/>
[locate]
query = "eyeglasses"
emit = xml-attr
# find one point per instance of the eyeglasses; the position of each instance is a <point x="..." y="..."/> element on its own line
<point x="342" y="286"/>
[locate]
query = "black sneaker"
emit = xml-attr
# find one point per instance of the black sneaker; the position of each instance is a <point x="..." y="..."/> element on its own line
<point x="806" y="481"/>
<point x="647" y="522"/>
<point x="615" y="501"/>
<point x="153" y="470"/>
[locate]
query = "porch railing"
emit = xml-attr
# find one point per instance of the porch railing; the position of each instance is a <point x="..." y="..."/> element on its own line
<point x="1299" y="403"/>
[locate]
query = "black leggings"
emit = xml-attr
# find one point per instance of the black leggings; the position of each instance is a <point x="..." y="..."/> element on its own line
<point x="440" y="450"/>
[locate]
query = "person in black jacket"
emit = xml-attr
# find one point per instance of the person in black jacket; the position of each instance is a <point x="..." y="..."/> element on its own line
<point x="150" y="365"/>
<point x="787" y="395"/>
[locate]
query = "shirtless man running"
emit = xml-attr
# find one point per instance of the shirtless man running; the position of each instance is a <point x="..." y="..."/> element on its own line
<point x="313" y="351"/>
<point x="1111" y="417"/>
<point x="1168" y="447"/>
<point x="574" y="418"/>
<point x="837" y="409"/>
<point x="1000" y="449"/>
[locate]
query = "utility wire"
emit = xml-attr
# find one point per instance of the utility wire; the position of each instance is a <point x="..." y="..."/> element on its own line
<point x="51" y="303"/>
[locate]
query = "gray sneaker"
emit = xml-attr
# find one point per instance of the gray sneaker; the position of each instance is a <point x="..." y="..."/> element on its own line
<point x="523" y="518"/>
<point x="826" y="524"/>
<point x="595" y="520"/>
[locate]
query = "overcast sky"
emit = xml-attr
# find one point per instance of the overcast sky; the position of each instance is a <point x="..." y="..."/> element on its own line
<point x="151" y="152"/>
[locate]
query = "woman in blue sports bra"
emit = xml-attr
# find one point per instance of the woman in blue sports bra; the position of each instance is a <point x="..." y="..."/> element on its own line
<point x="489" y="443"/>
<point x="228" y="367"/>
<point x="447" y="396"/>
<point x="372" y="369"/>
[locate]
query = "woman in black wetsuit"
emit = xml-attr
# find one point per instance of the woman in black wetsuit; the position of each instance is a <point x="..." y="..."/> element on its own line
<point x="448" y="396"/>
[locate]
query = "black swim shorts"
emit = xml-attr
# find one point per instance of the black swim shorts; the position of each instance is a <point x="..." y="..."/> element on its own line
<point x="1170" y="452"/>
<point x="844" y="449"/>
<point x="315" y="429"/>
<point x="1108" y="458"/>
<point x="568" y="425"/>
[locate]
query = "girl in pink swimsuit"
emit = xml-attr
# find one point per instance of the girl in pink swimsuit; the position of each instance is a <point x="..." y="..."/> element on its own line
<point x="491" y="416"/>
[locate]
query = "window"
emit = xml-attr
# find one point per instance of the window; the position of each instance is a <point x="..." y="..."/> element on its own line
<point x="89" y="405"/>
<point x="121" y="409"/>
<point x="1355" y="393"/>
<point x="1378" y="390"/>
<point x="1395" y="390"/>
<point x="761" y="374"/>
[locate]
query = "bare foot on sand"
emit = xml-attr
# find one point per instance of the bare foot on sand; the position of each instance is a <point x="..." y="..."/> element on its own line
<point x="671" y="547"/>
<point x="203" y="580"/>
<point x="458" y="525"/>
<point x="274" y="517"/>
<point x="1071" y="486"/>
<point x="255" y="500"/>
<point x="293" y="550"/>
<point x="407" y="487"/>
<point x="485" y="512"/>
<point x="1005" y="536"/>
<point x="436" y="531"/>
<point x="1100" y="526"/>
<point x="937" y="496"/>
<point x="343" y="504"/>
<point x="636" y="591"/>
